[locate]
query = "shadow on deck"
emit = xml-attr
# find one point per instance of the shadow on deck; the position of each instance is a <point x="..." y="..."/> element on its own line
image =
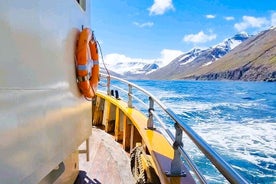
<point x="84" y="179"/>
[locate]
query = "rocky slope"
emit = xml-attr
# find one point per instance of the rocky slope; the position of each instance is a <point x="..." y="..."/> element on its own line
<point x="252" y="60"/>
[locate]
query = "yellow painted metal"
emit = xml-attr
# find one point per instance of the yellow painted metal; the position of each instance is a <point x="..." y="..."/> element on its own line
<point x="97" y="112"/>
<point x="106" y="113"/>
<point x="155" y="141"/>
<point x="119" y="124"/>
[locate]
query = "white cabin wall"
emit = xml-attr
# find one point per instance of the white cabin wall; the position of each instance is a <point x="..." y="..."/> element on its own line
<point x="43" y="117"/>
<point x="37" y="41"/>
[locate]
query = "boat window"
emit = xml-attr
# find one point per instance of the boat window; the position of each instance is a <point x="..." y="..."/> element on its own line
<point x="82" y="4"/>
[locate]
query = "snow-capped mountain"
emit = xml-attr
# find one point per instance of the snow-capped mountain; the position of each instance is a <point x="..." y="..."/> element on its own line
<point x="252" y="60"/>
<point x="137" y="70"/>
<point x="197" y="58"/>
<point x="151" y="68"/>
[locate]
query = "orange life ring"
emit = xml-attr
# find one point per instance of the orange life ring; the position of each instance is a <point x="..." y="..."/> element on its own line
<point x="87" y="63"/>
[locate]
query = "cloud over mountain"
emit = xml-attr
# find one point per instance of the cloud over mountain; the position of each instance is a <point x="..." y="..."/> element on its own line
<point x="273" y="19"/>
<point x="200" y="37"/>
<point x="251" y="22"/>
<point x="124" y="65"/>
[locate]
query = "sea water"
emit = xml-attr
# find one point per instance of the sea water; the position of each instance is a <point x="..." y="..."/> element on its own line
<point x="238" y="120"/>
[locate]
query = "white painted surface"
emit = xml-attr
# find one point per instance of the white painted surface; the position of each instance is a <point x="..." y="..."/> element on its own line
<point x="43" y="117"/>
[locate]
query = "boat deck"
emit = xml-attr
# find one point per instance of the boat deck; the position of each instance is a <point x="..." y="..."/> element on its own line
<point x="108" y="162"/>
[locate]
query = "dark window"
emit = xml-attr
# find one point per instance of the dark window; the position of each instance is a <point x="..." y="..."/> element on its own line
<point x="82" y="4"/>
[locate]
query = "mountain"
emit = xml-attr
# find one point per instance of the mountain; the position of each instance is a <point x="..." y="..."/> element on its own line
<point x="142" y="70"/>
<point x="103" y="70"/>
<point x="252" y="60"/>
<point x="242" y="57"/>
<point x="191" y="61"/>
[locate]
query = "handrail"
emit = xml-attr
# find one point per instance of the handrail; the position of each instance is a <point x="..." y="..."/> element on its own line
<point x="224" y="168"/>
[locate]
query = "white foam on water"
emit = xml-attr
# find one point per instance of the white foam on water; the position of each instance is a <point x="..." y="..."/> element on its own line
<point x="252" y="141"/>
<point x="169" y="94"/>
<point x="235" y="127"/>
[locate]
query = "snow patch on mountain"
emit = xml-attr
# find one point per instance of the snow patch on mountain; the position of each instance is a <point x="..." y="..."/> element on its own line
<point x="209" y="55"/>
<point x="189" y="57"/>
<point x="231" y="43"/>
<point x="208" y="63"/>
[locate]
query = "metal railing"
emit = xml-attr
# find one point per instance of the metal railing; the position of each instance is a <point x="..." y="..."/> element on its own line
<point x="223" y="167"/>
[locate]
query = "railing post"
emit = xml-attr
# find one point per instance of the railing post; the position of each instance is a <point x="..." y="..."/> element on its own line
<point x="150" y="119"/>
<point x="129" y="103"/>
<point x="177" y="164"/>
<point x="108" y="85"/>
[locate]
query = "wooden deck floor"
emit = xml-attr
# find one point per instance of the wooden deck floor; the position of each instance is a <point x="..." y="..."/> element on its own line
<point x="109" y="163"/>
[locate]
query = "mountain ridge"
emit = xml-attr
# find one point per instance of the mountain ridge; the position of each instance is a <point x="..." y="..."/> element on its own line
<point x="241" y="57"/>
<point x="196" y="58"/>
<point x="252" y="60"/>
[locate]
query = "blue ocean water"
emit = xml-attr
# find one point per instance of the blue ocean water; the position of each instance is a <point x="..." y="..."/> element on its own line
<point x="238" y="119"/>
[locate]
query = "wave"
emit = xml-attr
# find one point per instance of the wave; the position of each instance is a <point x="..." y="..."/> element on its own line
<point x="247" y="145"/>
<point x="237" y="119"/>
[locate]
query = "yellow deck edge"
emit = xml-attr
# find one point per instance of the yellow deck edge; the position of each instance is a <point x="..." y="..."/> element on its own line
<point x="157" y="144"/>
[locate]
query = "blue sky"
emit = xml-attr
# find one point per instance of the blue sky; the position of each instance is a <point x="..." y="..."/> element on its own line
<point x="163" y="29"/>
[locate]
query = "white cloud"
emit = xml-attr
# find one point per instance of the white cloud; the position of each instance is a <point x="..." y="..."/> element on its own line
<point x="251" y="22"/>
<point x="228" y="18"/>
<point x="121" y="63"/>
<point x="210" y="16"/>
<point x="167" y="55"/>
<point x="200" y="37"/>
<point x="159" y="7"/>
<point x="273" y="19"/>
<point x="116" y="59"/>
<point x="145" y="24"/>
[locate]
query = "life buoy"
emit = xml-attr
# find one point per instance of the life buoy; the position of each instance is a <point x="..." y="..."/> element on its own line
<point x="87" y="65"/>
<point x="94" y="80"/>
